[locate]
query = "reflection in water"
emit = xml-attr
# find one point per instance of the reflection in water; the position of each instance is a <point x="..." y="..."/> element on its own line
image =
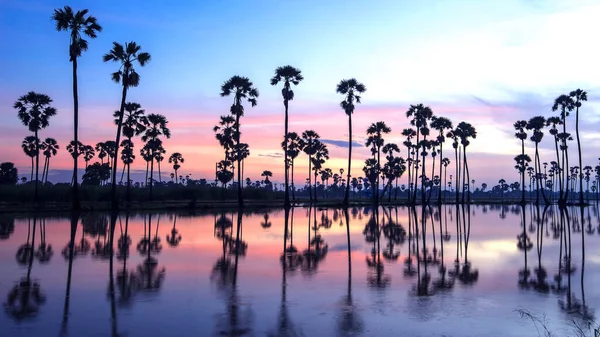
<point x="440" y="248"/>
<point x="25" y="298"/>
<point x="238" y="320"/>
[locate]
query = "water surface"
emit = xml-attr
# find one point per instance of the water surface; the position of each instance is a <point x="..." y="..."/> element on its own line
<point x="448" y="271"/>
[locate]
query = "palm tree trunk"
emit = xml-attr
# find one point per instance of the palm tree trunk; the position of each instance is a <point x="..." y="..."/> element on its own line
<point x="464" y="174"/>
<point x="310" y="178"/>
<point x="522" y="171"/>
<point x="123" y="173"/>
<point x="37" y="166"/>
<point x="147" y="170"/>
<point x="432" y="177"/>
<point x="239" y="173"/>
<point x="115" y="203"/>
<point x="579" y="152"/>
<point x="409" y="177"/>
<point x="457" y="173"/>
<point x="151" y="174"/>
<point x="441" y="154"/>
<point x="286" y="202"/>
<point x="32" y="165"/>
<point x="44" y="168"/>
<point x="75" y="197"/>
<point x="293" y="185"/>
<point x="159" y="174"/>
<point x="347" y="192"/>
<point x="128" y="183"/>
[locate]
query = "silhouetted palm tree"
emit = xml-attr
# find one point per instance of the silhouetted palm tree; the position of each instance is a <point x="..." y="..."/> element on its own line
<point x="289" y="75"/>
<point x="578" y="96"/>
<point x="421" y="115"/>
<point x="521" y="135"/>
<point x="318" y="159"/>
<point x="175" y="158"/>
<point x="309" y="144"/>
<point x="127" y="157"/>
<point x="565" y="104"/>
<point x="31" y="146"/>
<point x="466" y="131"/>
<point x="351" y="89"/>
<point x="537" y="124"/>
<point x="293" y="146"/>
<point x="127" y="57"/>
<point x="34" y="111"/>
<point x="241" y="88"/>
<point x="441" y="124"/>
<point x="157" y="127"/>
<point x="50" y="148"/>
<point x="375" y="141"/>
<point x="76" y="24"/>
<point x="224" y="134"/>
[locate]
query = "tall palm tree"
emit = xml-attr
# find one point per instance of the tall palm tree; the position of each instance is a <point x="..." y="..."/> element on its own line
<point x="31" y="146"/>
<point x="224" y="134"/>
<point x="320" y="156"/>
<point x="293" y="148"/>
<point x="157" y="126"/>
<point x="553" y="123"/>
<point x="241" y="88"/>
<point x="350" y="89"/>
<point x="521" y="135"/>
<point x="76" y="24"/>
<point x="176" y="158"/>
<point x="159" y="157"/>
<point x="102" y="151"/>
<point x="420" y="119"/>
<point x="536" y="124"/>
<point x="565" y="104"/>
<point x="466" y="131"/>
<point x="34" y="111"/>
<point x="455" y="136"/>
<point x="578" y="96"/>
<point x="111" y="151"/>
<point x="445" y="162"/>
<point x="88" y="154"/>
<point x="127" y="157"/>
<point x="409" y="133"/>
<point x="289" y="75"/>
<point x="50" y="149"/>
<point x="309" y="144"/>
<point x="441" y="124"/>
<point x="127" y="76"/>
<point x="146" y="153"/>
<point x="375" y="141"/>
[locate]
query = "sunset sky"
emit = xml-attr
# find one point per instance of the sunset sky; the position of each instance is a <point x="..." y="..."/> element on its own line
<point x="485" y="62"/>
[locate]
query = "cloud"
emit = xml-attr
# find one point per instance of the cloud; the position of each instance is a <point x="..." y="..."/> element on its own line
<point x="340" y="143"/>
<point x="271" y="155"/>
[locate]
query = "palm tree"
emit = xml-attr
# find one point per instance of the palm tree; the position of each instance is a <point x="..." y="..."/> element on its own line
<point x="102" y="151"/>
<point x="159" y="156"/>
<point x="76" y="24"/>
<point x="578" y="96"/>
<point x="146" y="153"/>
<point x="565" y="104"/>
<point x="455" y="136"/>
<point x="409" y="133"/>
<point x="293" y="148"/>
<point x="537" y="124"/>
<point x="127" y="157"/>
<point x="466" y="131"/>
<point x="553" y="123"/>
<point x="111" y="151"/>
<point x="267" y="174"/>
<point x="289" y="75"/>
<point x="350" y="89"/>
<point x="50" y="149"/>
<point x="521" y="135"/>
<point x="441" y="124"/>
<point x="126" y="75"/>
<point x="522" y="161"/>
<point x="309" y="144"/>
<point x="157" y="126"/>
<point x="31" y="147"/>
<point x="375" y="141"/>
<point x="445" y="162"/>
<point x="420" y="117"/>
<point x="241" y="88"/>
<point x="34" y="111"/>
<point x="224" y="134"/>
<point x="318" y="159"/>
<point x="88" y="154"/>
<point x="175" y="159"/>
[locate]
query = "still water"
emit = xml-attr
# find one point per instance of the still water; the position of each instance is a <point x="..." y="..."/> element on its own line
<point x="447" y="271"/>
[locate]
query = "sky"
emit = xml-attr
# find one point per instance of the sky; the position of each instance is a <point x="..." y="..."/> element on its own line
<point x="489" y="63"/>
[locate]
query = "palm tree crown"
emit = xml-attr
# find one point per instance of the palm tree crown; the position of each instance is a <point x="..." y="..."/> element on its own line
<point x="76" y="23"/>
<point x="34" y="110"/>
<point x="242" y="88"/>
<point x="127" y="56"/>
<point x="350" y="88"/>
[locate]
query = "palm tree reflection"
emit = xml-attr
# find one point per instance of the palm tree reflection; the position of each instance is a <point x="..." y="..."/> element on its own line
<point x="372" y="232"/>
<point x="349" y="321"/>
<point x="125" y="279"/>
<point x="224" y="274"/>
<point x="175" y="238"/>
<point x="69" y="253"/>
<point x="44" y="251"/>
<point x="317" y="248"/>
<point x="540" y="283"/>
<point x="7" y="226"/>
<point x="25" y="298"/>
<point x="148" y="275"/>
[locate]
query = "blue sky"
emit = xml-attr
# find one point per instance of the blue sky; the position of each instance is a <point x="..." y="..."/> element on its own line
<point x="488" y="62"/>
